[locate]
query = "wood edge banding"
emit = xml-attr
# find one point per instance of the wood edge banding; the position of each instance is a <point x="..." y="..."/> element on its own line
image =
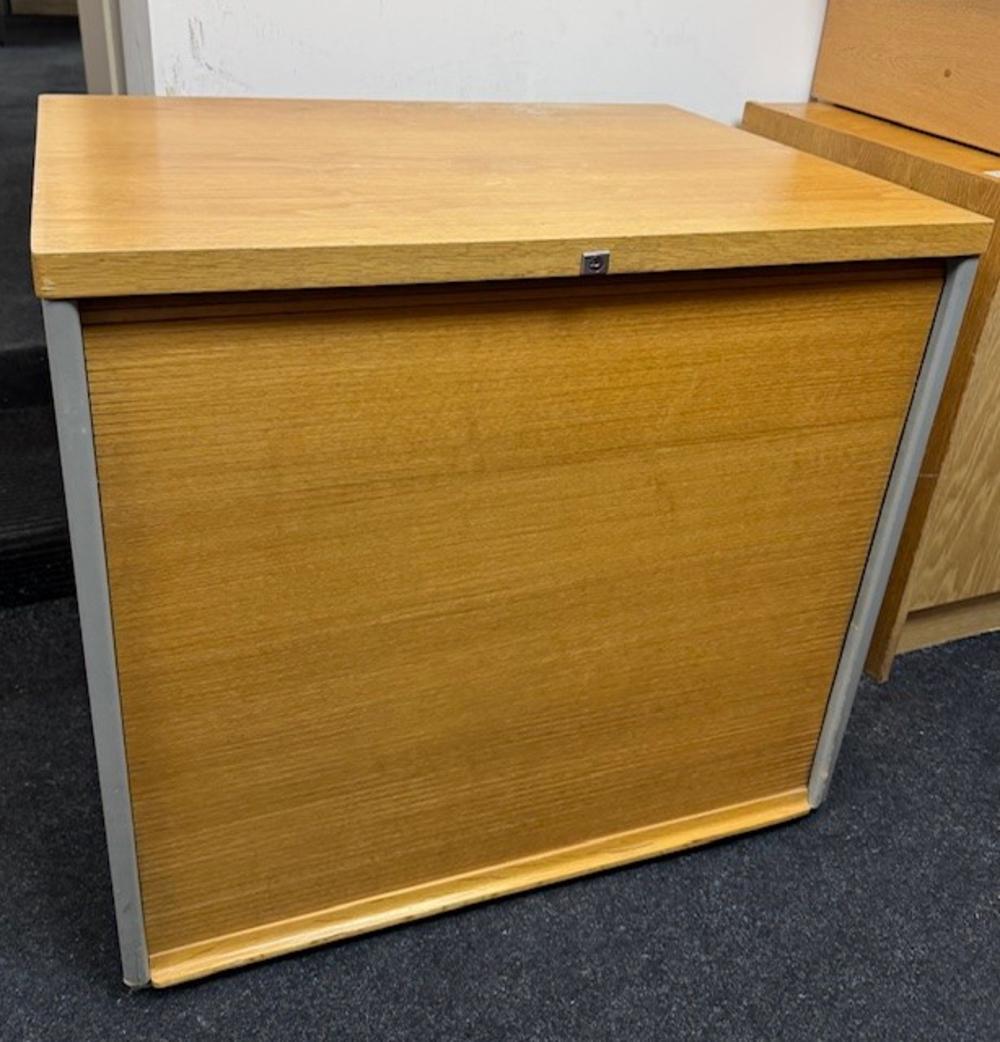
<point x="222" y="953"/>
<point x="499" y="294"/>
<point x="135" y="273"/>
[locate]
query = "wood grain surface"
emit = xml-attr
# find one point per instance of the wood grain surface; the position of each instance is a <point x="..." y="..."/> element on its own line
<point x="947" y="622"/>
<point x="944" y="169"/>
<point x="950" y="550"/>
<point x="406" y="593"/>
<point x="959" y="555"/>
<point x="173" y="195"/>
<point x="328" y="924"/>
<point x="929" y="64"/>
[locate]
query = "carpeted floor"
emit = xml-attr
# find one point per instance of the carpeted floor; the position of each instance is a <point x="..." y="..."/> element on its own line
<point x="877" y="917"/>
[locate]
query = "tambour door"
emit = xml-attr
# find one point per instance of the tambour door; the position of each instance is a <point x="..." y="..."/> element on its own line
<point x="413" y="588"/>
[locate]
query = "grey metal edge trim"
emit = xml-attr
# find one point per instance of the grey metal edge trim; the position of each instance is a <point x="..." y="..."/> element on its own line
<point x="79" y="468"/>
<point x="882" y="552"/>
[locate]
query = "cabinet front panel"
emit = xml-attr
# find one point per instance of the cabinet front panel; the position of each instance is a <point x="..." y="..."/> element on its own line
<point x="403" y="593"/>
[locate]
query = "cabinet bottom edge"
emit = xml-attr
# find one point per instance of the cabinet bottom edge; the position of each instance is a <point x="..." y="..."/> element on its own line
<point x="177" y="965"/>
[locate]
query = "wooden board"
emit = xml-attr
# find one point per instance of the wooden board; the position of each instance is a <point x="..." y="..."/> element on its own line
<point x="950" y="622"/>
<point x="950" y="550"/>
<point x="968" y="177"/>
<point x="959" y="556"/>
<point x="175" y="195"/>
<point x="947" y="622"/>
<point x="418" y="604"/>
<point x="929" y="64"/>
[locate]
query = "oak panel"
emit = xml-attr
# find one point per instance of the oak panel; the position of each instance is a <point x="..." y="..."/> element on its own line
<point x="948" y="622"/>
<point x="173" y="195"/>
<point x="401" y="594"/>
<point x="968" y="177"/>
<point x="932" y="64"/>
<point x="959" y="556"/>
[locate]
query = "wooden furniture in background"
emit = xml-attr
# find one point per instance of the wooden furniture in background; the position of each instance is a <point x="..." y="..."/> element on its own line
<point x="420" y="594"/>
<point x="929" y="64"/>
<point x="946" y="581"/>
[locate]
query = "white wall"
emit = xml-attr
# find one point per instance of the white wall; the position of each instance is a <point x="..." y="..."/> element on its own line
<point x="706" y="55"/>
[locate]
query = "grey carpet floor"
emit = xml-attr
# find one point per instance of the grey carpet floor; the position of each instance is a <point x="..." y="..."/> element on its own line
<point x="877" y="917"/>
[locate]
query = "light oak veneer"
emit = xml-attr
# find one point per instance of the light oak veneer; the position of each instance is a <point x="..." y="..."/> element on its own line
<point x="929" y="64"/>
<point x="403" y="593"/>
<point x="171" y="195"/>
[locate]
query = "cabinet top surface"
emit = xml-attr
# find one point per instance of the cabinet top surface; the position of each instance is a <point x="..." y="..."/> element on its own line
<point x="171" y="195"/>
<point x="917" y="144"/>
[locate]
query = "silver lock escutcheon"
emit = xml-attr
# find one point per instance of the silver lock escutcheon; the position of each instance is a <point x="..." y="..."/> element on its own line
<point x="595" y="262"/>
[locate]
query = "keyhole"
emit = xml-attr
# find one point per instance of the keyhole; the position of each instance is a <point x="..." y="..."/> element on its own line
<point x="595" y="262"/>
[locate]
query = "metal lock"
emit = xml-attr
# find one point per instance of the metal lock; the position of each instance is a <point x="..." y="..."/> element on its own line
<point x="595" y="262"/>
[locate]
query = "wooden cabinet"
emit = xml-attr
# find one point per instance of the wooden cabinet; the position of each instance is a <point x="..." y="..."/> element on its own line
<point x="929" y="64"/>
<point x="418" y="565"/>
<point x="946" y="582"/>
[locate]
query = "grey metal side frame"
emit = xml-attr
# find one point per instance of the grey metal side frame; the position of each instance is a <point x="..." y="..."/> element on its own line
<point x="79" y="468"/>
<point x="959" y="276"/>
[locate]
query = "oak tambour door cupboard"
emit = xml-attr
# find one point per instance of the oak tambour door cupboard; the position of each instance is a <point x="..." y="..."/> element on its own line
<point x="465" y="497"/>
